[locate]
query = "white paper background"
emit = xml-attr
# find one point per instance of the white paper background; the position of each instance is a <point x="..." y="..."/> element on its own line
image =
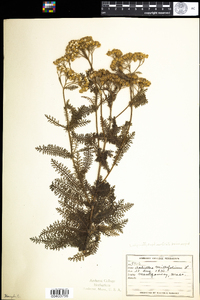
<point x="159" y="174"/>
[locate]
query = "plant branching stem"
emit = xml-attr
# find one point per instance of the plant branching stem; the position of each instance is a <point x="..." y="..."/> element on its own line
<point x="71" y="148"/>
<point x="119" y="152"/>
<point x="96" y="117"/>
<point x="122" y="111"/>
<point x="97" y="106"/>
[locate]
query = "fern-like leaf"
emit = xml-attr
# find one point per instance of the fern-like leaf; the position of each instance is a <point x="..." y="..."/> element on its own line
<point x="123" y="147"/>
<point x="67" y="183"/>
<point x="77" y="257"/>
<point x="78" y="115"/>
<point x="64" y="171"/>
<point x="139" y="99"/>
<point x="87" y="160"/>
<point x="53" y="121"/>
<point x="54" y="150"/>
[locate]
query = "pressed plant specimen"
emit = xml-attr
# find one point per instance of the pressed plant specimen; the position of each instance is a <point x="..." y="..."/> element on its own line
<point x="89" y="209"/>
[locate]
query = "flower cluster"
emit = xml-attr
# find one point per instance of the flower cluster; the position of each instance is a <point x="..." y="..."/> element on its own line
<point x="139" y="56"/>
<point x="122" y="62"/>
<point x="83" y="83"/>
<point x="115" y="53"/>
<point x="61" y="64"/>
<point x="78" y="48"/>
<point x="143" y="82"/>
<point x="122" y="76"/>
<point x="71" y="75"/>
<point x="106" y="79"/>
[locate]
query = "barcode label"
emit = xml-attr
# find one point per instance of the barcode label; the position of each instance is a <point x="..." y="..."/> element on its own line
<point x="60" y="292"/>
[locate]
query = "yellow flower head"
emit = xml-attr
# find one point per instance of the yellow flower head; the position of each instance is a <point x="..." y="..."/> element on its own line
<point x="143" y="82"/>
<point x="139" y="56"/>
<point x="114" y="53"/>
<point x="122" y="62"/>
<point x="77" y="48"/>
<point x="105" y="79"/>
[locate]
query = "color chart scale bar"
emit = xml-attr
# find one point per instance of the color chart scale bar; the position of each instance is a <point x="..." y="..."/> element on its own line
<point x="130" y="8"/>
<point x="135" y="4"/>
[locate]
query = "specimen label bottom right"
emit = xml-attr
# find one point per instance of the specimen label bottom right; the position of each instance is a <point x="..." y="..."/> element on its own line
<point x="159" y="275"/>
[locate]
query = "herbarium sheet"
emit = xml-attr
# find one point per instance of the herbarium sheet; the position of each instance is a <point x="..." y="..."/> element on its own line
<point x="104" y="205"/>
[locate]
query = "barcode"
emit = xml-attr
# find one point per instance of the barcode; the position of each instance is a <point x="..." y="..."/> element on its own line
<point x="58" y="293"/>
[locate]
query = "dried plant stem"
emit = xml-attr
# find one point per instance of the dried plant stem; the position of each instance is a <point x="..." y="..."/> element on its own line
<point x="71" y="148"/>
<point x="122" y="111"/>
<point x="127" y="132"/>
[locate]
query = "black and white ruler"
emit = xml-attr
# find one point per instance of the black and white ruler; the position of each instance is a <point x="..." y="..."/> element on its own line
<point x="147" y="9"/>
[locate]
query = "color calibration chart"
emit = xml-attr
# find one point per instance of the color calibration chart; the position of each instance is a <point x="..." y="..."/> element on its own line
<point x="49" y="6"/>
